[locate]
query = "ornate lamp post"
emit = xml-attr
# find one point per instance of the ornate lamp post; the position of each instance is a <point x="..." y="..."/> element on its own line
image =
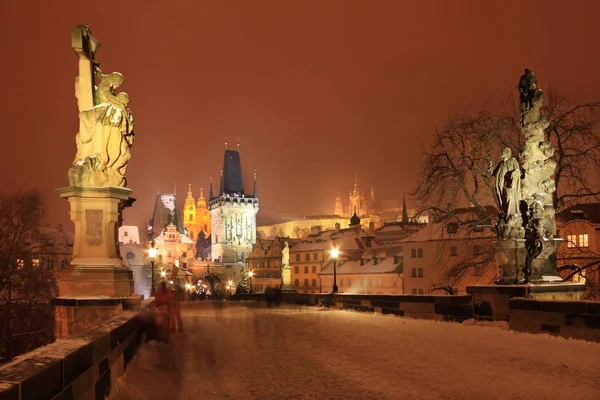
<point x="334" y="255"/>
<point x="152" y="253"/>
<point x="250" y="275"/>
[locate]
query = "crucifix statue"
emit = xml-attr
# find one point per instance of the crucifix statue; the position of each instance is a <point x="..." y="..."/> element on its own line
<point x="85" y="47"/>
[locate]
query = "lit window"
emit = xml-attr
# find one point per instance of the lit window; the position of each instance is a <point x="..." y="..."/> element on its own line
<point x="571" y="240"/>
<point x="580" y="277"/>
<point x="583" y="240"/>
<point x="35" y="262"/>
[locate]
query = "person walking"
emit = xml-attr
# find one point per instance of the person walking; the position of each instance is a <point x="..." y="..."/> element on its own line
<point x="176" y="321"/>
<point x="163" y="301"/>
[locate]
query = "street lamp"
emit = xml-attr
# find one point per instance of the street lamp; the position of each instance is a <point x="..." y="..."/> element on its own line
<point x="250" y="275"/>
<point x="334" y="255"/>
<point x="152" y="253"/>
<point x="229" y="285"/>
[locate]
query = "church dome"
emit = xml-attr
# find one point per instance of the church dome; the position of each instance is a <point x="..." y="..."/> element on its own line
<point x="354" y="220"/>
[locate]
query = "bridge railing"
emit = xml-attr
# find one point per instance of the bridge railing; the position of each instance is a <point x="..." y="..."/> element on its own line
<point x="85" y="365"/>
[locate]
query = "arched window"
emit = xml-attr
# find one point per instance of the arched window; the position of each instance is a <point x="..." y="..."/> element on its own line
<point x="190" y="217"/>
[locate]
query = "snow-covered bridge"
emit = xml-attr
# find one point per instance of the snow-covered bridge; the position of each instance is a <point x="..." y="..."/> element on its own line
<point x="248" y="351"/>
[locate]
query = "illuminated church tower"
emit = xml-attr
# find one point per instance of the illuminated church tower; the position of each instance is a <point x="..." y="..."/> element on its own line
<point x="232" y="213"/>
<point x="203" y="215"/>
<point x="189" y="215"/>
<point x="357" y="203"/>
<point x="339" y="207"/>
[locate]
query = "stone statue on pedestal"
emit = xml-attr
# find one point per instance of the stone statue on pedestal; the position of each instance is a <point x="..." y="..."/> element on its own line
<point x="524" y="194"/>
<point x="105" y="132"/>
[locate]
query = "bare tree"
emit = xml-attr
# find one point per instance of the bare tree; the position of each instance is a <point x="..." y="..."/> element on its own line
<point x="573" y="133"/>
<point x="26" y="285"/>
<point x="455" y="172"/>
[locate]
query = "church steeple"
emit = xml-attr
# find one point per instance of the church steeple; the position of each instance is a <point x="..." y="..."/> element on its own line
<point x="189" y="214"/>
<point x="404" y="210"/>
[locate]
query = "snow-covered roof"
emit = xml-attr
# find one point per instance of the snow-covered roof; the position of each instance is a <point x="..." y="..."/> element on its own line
<point x="385" y="266"/>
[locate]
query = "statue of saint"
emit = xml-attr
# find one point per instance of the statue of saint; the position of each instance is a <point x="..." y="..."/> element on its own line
<point x="285" y="259"/>
<point x="105" y="121"/>
<point x="508" y="185"/>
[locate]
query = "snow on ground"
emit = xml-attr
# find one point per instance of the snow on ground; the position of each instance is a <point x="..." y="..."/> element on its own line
<point x="243" y="351"/>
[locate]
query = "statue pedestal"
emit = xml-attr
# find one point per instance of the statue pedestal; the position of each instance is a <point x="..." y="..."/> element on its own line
<point x="491" y="301"/>
<point x="511" y="257"/>
<point x="286" y="278"/>
<point x="97" y="283"/>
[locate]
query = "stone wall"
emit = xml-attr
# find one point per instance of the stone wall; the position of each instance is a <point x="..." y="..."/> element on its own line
<point x="83" y="366"/>
<point x="441" y="308"/>
<point x="569" y="319"/>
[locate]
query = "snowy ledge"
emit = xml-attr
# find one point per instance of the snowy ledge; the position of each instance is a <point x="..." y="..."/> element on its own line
<point x="81" y="366"/>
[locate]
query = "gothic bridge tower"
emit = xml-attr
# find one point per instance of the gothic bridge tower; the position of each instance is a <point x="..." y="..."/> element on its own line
<point x="232" y="213"/>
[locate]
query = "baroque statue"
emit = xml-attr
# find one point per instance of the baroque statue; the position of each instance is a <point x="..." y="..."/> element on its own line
<point x="508" y="195"/>
<point x="523" y="193"/>
<point x="106" y="124"/>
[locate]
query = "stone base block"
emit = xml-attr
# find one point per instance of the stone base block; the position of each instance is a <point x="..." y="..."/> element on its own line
<point x="492" y="301"/>
<point x="76" y="314"/>
<point x="110" y="282"/>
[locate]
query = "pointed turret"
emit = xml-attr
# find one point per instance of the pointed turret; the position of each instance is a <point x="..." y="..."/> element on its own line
<point x="254" y="193"/>
<point x="210" y="193"/>
<point x="404" y="210"/>
<point x="372" y="195"/>
<point x="232" y="182"/>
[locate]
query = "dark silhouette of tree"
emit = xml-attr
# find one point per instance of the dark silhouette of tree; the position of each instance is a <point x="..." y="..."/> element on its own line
<point x="26" y="284"/>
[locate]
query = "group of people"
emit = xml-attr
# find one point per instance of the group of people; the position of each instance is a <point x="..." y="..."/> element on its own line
<point x="166" y="313"/>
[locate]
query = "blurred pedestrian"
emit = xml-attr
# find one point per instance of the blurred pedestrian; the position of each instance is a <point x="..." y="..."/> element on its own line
<point x="176" y="321"/>
<point x="163" y="300"/>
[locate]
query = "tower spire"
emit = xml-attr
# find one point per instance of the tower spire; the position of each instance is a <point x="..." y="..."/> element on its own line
<point x="238" y="144"/>
<point x="404" y="210"/>
<point x="221" y="190"/>
<point x="210" y="193"/>
<point x="254" y="194"/>
<point x="225" y="143"/>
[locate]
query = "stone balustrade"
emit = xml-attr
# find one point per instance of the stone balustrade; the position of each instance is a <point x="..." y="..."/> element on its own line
<point x="82" y="366"/>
